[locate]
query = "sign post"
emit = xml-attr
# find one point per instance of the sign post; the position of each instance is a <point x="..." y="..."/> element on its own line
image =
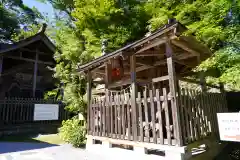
<point x="229" y="126"/>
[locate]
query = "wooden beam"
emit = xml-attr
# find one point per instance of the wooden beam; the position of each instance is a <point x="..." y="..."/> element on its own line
<point x="29" y="60"/>
<point x="185" y="47"/>
<point x="158" y="79"/>
<point x="35" y="74"/>
<point x="148" y="55"/>
<point x="152" y="44"/>
<point x="29" y="50"/>
<point x="173" y="90"/>
<point x="134" y="96"/>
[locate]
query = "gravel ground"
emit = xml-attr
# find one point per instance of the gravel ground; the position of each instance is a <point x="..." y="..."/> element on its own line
<point x="43" y="151"/>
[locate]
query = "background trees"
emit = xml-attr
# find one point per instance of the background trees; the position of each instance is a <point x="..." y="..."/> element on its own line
<point x="14" y="15"/>
<point x="81" y="25"/>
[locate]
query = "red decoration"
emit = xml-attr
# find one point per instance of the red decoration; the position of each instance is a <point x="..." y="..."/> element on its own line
<point x="117" y="69"/>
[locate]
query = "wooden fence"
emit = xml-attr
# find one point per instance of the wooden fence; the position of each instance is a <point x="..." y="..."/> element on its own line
<point x="17" y="115"/>
<point x="112" y="116"/>
<point x="199" y="113"/>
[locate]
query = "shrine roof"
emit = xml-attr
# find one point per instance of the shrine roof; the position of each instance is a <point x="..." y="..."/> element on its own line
<point x="34" y="40"/>
<point x="156" y="38"/>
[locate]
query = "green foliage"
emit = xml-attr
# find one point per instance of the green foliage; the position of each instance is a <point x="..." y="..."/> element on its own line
<point x="51" y="94"/>
<point x="72" y="132"/>
<point x="25" y="33"/>
<point x="13" y="15"/>
<point x="216" y="23"/>
<point x="94" y="21"/>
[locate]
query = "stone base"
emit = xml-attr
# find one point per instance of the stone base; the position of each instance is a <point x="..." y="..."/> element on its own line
<point x="140" y="149"/>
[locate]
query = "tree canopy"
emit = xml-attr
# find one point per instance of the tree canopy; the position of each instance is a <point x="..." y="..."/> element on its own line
<point x="14" y="15"/>
<point x="216" y="23"/>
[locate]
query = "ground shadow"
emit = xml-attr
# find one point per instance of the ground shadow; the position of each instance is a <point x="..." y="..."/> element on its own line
<point x="230" y="152"/>
<point x="10" y="144"/>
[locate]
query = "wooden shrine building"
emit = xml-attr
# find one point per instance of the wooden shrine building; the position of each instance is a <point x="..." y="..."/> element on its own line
<point x="24" y="67"/>
<point x="143" y="103"/>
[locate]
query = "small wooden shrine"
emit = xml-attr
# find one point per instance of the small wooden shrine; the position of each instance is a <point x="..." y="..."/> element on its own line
<point x="142" y="103"/>
<point x="24" y="67"/>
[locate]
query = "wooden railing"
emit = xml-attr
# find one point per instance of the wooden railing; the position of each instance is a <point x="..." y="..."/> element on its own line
<point x="199" y="113"/>
<point x="112" y="117"/>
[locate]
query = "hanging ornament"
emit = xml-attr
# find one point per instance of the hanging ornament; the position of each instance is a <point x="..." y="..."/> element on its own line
<point x="117" y="68"/>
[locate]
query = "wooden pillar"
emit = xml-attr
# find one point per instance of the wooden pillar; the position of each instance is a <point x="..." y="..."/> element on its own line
<point x="89" y="95"/>
<point x="108" y="70"/>
<point x="133" y="96"/>
<point x="202" y="78"/>
<point x="173" y="90"/>
<point x="35" y="73"/>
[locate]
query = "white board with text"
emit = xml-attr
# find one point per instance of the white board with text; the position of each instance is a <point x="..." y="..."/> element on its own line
<point x="229" y="126"/>
<point x="45" y="112"/>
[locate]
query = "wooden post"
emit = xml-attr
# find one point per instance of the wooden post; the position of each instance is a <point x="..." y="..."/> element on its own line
<point x="89" y="95"/>
<point x="133" y="96"/>
<point x="202" y="78"/>
<point x="35" y="74"/>
<point x="173" y="89"/>
<point x="108" y="122"/>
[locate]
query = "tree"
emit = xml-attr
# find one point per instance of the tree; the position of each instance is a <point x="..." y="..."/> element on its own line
<point x="14" y="15"/>
<point x="216" y="24"/>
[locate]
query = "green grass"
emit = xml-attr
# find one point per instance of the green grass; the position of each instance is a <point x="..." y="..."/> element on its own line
<point x="52" y="139"/>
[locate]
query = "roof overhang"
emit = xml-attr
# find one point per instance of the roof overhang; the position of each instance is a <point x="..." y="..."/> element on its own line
<point x="22" y="43"/>
<point x="176" y="29"/>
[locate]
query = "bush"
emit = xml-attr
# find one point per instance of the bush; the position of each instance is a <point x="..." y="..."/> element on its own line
<point x="72" y="132"/>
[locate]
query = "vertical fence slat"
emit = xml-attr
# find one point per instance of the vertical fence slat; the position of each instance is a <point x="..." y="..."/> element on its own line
<point x="104" y="116"/>
<point x="111" y="115"/>
<point x="128" y="119"/>
<point x="93" y="118"/>
<point x="115" y="117"/>
<point x="153" y="116"/>
<point x="101" y="117"/>
<point x="159" y="117"/>
<point x="186" y="111"/>
<point x="183" y="126"/>
<point x="119" y="115"/>
<point x="140" y="116"/>
<point x="167" y="116"/>
<point x="202" y="114"/>
<point x="197" y="123"/>
<point x="146" y="116"/>
<point x="123" y="117"/>
<point x="190" y="115"/>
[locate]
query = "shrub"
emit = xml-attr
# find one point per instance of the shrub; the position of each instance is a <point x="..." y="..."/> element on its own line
<point x="72" y="132"/>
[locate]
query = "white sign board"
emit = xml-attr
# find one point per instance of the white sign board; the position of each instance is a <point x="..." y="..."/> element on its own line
<point x="229" y="126"/>
<point x="45" y="112"/>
